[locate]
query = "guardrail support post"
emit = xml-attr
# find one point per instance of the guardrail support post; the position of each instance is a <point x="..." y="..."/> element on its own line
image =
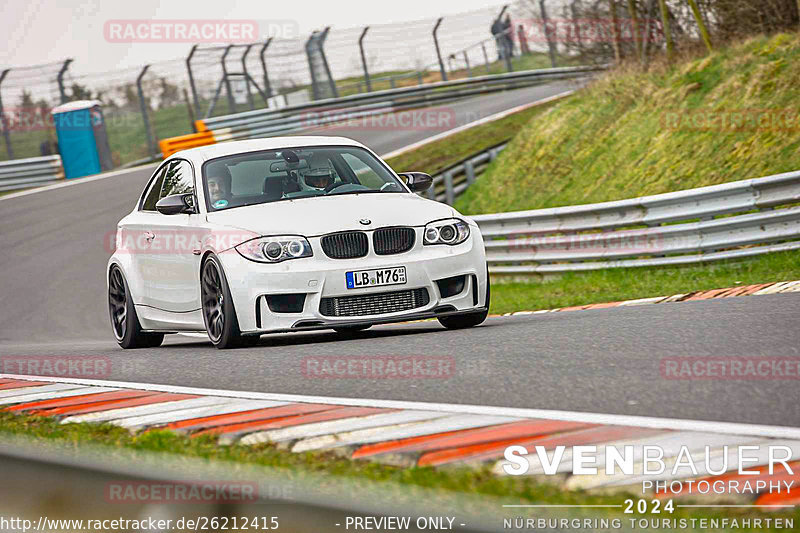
<point x="143" y="106"/>
<point x="61" y="90"/>
<point x="267" y="86"/>
<point x="231" y="101"/>
<point x="247" y="77"/>
<point x="449" y="193"/>
<point x="438" y="50"/>
<point x="469" y="170"/>
<point x="192" y="85"/>
<point x="364" y="59"/>
<point x="4" y="122"/>
<point x="551" y="46"/>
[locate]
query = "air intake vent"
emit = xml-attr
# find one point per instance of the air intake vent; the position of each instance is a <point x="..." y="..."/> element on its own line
<point x="375" y="304"/>
<point x="345" y="245"/>
<point x="389" y="241"/>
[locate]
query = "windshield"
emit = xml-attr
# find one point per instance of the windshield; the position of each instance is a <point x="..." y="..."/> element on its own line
<point x="288" y="174"/>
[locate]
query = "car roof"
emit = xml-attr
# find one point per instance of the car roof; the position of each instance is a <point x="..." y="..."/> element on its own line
<point x="204" y="153"/>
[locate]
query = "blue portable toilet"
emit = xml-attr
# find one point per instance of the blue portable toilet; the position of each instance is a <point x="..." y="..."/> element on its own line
<point x="82" y="138"/>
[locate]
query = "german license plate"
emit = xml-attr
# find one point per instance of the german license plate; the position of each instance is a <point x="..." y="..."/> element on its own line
<point x="378" y="277"/>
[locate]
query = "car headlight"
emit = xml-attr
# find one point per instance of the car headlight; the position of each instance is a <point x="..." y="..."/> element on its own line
<point x="450" y="231"/>
<point x="275" y="249"/>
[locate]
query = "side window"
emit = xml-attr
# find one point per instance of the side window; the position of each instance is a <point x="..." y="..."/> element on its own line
<point x="365" y="174"/>
<point x="178" y="179"/>
<point x="152" y="196"/>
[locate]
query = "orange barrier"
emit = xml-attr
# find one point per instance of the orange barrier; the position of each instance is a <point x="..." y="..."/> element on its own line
<point x="174" y="144"/>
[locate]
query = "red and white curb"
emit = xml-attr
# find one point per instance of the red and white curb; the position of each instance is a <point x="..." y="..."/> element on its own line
<point x="713" y="294"/>
<point x="401" y="433"/>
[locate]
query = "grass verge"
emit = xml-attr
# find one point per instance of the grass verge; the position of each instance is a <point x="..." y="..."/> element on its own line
<point x="473" y="481"/>
<point x="729" y="116"/>
<point x="627" y="284"/>
<point x="438" y="155"/>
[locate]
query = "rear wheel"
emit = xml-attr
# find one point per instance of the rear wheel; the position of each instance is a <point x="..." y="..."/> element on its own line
<point x="124" y="321"/>
<point x="468" y="320"/>
<point x="219" y="315"/>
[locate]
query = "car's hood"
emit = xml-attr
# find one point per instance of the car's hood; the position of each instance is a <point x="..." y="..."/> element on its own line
<point x="318" y="216"/>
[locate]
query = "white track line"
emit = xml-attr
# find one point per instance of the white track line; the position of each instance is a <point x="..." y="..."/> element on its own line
<point x="74" y="181"/>
<point x="732" y="428"/>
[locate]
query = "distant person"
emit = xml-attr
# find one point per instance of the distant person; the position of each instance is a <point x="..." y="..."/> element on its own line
<point x="497" y="31"/>
<point x="508" y="39"/>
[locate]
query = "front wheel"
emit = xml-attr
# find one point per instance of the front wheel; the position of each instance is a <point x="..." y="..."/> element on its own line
<point x="124" y="321"/>
<point x="219" y="314"/>
<point x="468" y="320"/>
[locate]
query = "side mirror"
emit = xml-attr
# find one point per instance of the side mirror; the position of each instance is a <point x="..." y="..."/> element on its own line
<point x="176" y="204"/>
<point x="417" y="181"/>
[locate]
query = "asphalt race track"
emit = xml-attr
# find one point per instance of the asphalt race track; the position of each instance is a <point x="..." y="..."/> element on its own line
<point x="55" y="245"/>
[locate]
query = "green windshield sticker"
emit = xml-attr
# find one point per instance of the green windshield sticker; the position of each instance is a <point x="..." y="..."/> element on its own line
<point x="219" y="204"/>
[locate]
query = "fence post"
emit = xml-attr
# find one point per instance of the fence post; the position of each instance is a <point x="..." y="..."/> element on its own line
<point x="4" y="122"/>
<point x="247" y="77"/>
<point x="62" y="92"/>
<point x="231" y="102"/>
<point x="192" y="85"/>
<point x="486" y="59"/>
<point x="143" y="106"/>
<point x="267" y="86"/>
<point x="364" y="59"/>
<point x="438" y="50"/>
<point x="550" y="44"/>
<point x="466" y="61"/>
<point x="321" y="46"/>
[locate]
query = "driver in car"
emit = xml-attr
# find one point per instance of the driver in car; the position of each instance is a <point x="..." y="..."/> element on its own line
<point x="218" y="191"/>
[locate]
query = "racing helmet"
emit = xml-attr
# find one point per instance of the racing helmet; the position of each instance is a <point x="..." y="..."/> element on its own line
<point x="319" y="174"/>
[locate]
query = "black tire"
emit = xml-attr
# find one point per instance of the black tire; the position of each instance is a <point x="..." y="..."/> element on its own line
<point x="122" y="312"/>
<point x="219" y="314"/>
<point x="351" y="330"/>
<point x="469" y="320"/>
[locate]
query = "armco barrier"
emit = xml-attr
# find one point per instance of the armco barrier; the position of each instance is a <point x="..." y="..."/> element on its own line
<point x="184" y="142"/>
<point x="266" y="122"/>
<point x="648" y="231"/>
<point x="453" y="180"/>
<point x="31" y="172"/>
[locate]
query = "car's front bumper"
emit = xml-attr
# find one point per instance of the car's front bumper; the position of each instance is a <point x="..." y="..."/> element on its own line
<point x="320" y="277"/>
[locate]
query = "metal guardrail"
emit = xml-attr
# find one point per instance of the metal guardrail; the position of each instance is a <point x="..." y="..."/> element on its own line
<point x="62" y="482"/>
<point x="454" y="180"/>
<point x="725" y="221"/>
<point x="31" y="172"/>
<point x="265" y="122"/>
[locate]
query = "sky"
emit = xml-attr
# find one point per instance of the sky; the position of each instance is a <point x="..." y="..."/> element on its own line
<point x="45" y="31"/>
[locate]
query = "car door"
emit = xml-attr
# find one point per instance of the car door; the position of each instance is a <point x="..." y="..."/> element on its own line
<point x="172" y="278"/>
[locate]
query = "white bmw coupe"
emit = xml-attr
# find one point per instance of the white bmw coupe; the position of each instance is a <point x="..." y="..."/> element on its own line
<point x="289" y="234"/>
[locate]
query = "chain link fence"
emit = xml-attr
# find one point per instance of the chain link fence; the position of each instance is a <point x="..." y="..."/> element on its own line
<point x="163" y="99"/>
